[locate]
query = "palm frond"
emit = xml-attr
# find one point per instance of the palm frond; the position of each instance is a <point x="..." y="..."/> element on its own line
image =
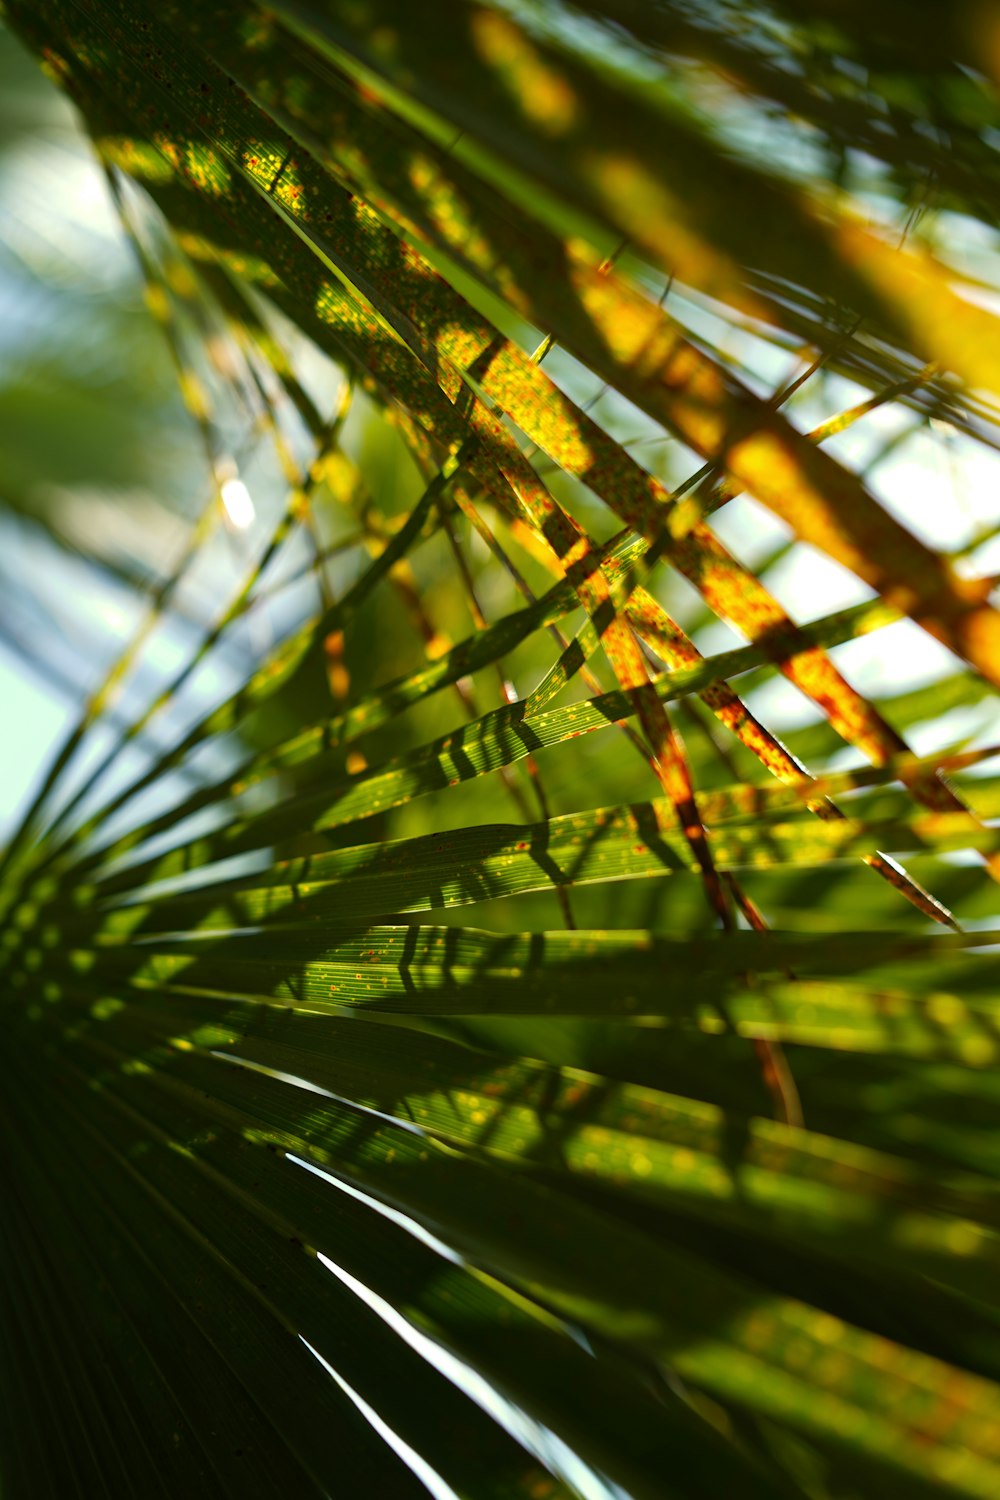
<point x="671" y="1168"/>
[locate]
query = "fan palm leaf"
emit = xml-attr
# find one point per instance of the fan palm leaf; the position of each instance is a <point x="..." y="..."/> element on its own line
<point x="665" y="1163"/>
